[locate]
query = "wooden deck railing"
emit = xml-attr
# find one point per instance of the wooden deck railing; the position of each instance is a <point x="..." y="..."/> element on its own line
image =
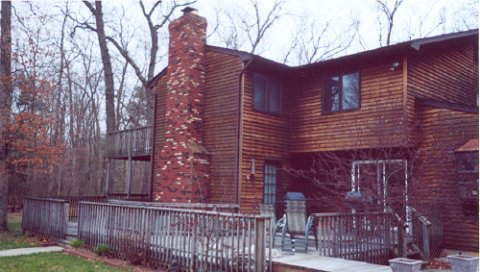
<point x="73" y="201"/>
<point x="45" y="216"/>
<point x="365" y="237"/>
<point x="190" y="239"/>
<point x="217" y="207"/>
<point x="130" y="143"/>
<point x="427" y="232"/>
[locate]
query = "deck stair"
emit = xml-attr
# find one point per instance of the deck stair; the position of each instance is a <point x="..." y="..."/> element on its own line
<point x="72" y="232"/>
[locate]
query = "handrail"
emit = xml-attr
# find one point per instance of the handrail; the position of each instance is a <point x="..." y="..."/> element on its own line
<point x="420" y="216"/>
<point x="129" y="143"/>
<point x="204" y="206"/>
<point x="129" y="129"/>
<point x="424" y="236"/>
<point x="150" y="205"/>
<point x="402" y="233"/>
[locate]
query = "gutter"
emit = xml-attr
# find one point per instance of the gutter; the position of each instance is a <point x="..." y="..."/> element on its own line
<point x="238" y="169"/>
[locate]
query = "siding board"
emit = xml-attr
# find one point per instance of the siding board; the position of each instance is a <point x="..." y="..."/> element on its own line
<point x="443" y="132"/>
<point x="220" y="136"/>
<point x="379" y="118"/>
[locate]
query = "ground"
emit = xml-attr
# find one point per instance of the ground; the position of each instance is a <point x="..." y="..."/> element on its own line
<point x="89" y="255"/>
<point x="16" y="239"/>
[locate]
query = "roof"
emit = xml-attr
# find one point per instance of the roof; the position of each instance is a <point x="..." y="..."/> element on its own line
<point x="369" y="55"/>
<point x="470" y="145"/>
<point x="396" y="49"/>
<point x="429" y="102"/>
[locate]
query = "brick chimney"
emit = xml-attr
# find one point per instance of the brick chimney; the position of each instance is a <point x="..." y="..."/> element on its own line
<point x="181" y="174"/>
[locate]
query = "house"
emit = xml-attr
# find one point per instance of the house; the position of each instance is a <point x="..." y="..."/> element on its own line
<point x="399" y="124"/>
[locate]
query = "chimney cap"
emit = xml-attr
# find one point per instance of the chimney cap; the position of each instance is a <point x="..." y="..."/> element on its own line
<point x="189" y="10"/>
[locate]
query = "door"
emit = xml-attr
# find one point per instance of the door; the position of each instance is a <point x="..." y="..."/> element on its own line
<point x="273" y="186"/>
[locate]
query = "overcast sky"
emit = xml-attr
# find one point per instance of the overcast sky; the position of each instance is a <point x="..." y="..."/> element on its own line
<point x="414" y="19"/>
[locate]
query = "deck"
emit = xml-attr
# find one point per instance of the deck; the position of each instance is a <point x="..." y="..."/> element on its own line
<point x="312" y="262"/>
<point x="134" y="144"/>
<point x="214" y="236"/>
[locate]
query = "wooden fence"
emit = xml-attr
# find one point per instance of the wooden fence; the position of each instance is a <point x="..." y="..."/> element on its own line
<point x="188" y="239"/>
<point x="45" y="216"/>
<point x="365" y="237"/>
<point x="130" y="142"/>
<point x="73" y="201"/>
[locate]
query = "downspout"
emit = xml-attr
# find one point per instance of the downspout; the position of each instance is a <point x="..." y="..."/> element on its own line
<point x="238" y="169"/>
<point x="152" y="151"/>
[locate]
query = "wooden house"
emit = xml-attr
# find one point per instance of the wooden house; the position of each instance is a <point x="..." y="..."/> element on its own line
<point x="390" y="123"/>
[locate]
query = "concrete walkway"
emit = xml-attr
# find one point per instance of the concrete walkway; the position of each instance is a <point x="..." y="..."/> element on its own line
<point x="29" y="250"/>
<point x="312" y="262"/>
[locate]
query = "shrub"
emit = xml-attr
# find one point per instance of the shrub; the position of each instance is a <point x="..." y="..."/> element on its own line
<point x="102" y="250"/>
<point x="77" y="243"/>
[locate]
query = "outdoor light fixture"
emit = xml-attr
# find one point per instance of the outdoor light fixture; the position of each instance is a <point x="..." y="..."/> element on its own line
<point x="252" y="170"/>
<point x="395" y="65"/>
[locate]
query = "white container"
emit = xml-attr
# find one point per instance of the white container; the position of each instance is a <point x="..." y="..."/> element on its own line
<point x="463" y="263"/>
<point x="405" y="265"/>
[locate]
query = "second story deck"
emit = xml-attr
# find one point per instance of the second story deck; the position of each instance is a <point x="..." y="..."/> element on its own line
<point x="135" y="144"/>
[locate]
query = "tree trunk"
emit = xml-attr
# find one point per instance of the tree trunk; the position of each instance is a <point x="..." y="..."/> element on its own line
<point x="5" y="105"/>
<point x="107" y="64"/>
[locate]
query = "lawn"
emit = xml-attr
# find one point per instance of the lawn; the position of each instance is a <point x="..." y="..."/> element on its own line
<point x="15" y="238"/>
<point x="52" y="262"/>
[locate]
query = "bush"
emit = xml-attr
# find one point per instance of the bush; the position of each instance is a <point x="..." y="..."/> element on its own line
<point x="77" y="243"/>
<point x="102" y="250"/>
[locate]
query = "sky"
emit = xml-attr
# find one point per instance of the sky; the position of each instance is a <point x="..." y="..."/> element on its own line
<point x="414" y="19"/>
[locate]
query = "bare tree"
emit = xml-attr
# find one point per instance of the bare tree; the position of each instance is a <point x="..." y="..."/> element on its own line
<point x="250" y="30"/>
<point x="107" y="63"/>
<point x="313" y="43"/>
<point x="386" y="28"/>
<point x="5" y="105"/>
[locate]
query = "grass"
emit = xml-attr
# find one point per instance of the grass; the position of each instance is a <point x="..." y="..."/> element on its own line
<point x="53" y="262"/>
<point x="14" y="238"/>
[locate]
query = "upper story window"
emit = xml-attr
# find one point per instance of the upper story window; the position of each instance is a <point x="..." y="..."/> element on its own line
<point x="341" y="93"/>
<point x="267" y="94"/>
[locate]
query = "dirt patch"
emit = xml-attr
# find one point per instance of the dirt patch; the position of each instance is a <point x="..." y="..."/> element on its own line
<point x="438" y="264"/>
<point x="89" y="255"/>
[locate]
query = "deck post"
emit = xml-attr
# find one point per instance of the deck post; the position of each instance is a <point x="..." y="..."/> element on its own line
<point x="107" y="179"/>
<point x="66" y="216"/>
<point x="260" y="245"/>
<point x="129" y="167"/>
<point x="425" y="242"/>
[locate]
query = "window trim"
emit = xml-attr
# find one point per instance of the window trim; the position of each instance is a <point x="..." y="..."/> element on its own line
<point x="340" y="110"/>
<point x="266" y="110"/>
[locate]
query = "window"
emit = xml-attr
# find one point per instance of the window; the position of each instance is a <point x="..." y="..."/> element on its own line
<point x="467" y="162"/>
<point x="267" y="94"/>
<point x="269" y="183"/>
<point x="341" y="93"/>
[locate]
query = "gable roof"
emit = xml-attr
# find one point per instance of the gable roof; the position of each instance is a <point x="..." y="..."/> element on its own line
<point x="377" y="53"/>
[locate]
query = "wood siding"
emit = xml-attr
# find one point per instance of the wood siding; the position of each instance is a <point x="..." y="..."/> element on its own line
<point x="220" y="133"/>
<point x="436" y="179"/>
<point x="378" y="122"/>
<point x="266" y="137"/>
<point x="158" y="128"/>
<point x="447" y="74"/>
